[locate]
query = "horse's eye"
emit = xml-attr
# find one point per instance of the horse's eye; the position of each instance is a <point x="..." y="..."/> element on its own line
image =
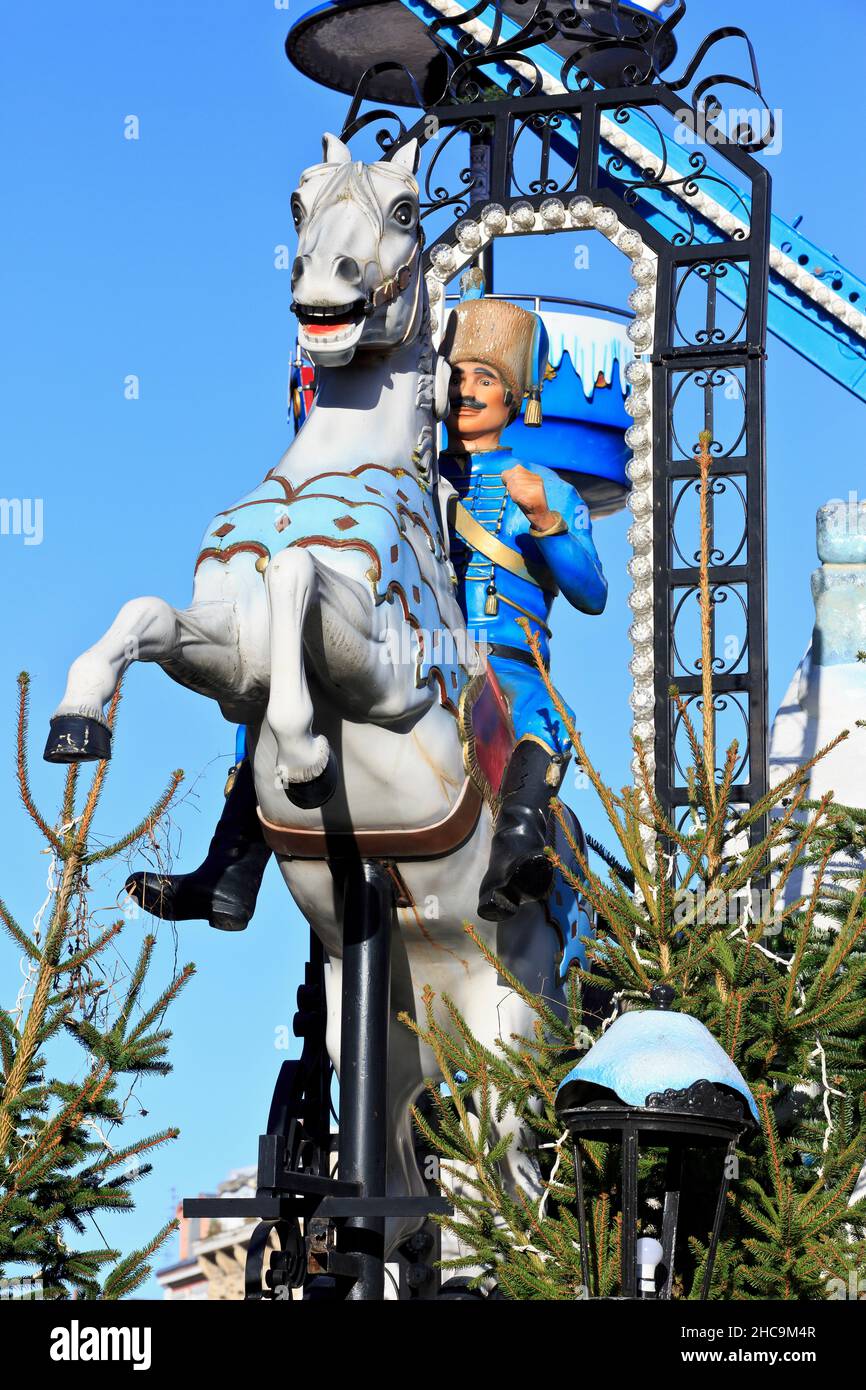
<point x="404" y="214"/>
<point x="297" y="213"/>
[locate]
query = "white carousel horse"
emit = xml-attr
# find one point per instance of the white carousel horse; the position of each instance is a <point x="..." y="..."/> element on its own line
<point x="324" y="618"/>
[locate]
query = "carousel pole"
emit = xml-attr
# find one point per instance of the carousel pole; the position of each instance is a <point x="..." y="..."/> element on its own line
<point x="368" y="916"/>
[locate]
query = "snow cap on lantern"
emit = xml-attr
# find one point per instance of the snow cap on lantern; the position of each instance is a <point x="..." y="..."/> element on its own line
<point x="646" y="1053"/>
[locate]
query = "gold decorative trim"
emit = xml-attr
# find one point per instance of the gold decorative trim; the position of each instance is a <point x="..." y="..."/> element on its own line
<point x="239" y="547"/>
<point x="535" y="738"/>
<point x="293" y="492"/>
<point x="539" y="622"/>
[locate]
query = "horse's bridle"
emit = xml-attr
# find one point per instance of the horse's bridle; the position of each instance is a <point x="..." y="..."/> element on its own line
<point x="389" y="289"/>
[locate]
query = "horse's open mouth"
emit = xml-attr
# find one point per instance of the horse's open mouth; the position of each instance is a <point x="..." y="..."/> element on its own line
<point x="329" y="322"/>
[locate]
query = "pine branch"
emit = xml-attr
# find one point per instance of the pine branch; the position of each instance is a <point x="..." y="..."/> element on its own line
<point x="145" y="826"/>
<point x="21" y="765"/>
<point x="20" y="937"/>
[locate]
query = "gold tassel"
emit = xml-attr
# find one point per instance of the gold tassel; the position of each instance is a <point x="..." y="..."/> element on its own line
<point x="532" y="413"/>
<point x="553" y="775"/>
<point x="491" y="603"/>
<point x="231" y="779"/>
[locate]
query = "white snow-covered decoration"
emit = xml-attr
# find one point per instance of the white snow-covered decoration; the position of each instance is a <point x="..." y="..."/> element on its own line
<point x="581" y="210"/>
<point x="828" y="691"/>
<point x="469" y="235"/>
<point x="552" y="212"/>
<point x="495" y="218"/>
<point x="523" y="216"/>
<point x="594" y="347"/>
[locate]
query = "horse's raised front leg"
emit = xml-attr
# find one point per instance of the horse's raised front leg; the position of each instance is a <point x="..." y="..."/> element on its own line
<point x="318" y="615"/>
<point x="328" y="619"/>
<point x="306" y="767"/>
<point x="198" y="646"/>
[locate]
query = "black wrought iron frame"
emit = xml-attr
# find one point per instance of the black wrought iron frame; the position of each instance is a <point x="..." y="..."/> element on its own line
<point x="493" y="125"/>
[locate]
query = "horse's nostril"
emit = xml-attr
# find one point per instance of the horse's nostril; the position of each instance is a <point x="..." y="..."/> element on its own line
<point x="348" y="269"/>
<point x="297" y="270"/>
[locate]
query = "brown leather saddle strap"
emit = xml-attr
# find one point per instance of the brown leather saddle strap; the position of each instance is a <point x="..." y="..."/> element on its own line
<point x="427" y="842"/>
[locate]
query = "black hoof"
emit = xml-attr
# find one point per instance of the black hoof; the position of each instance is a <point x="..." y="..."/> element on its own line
<point x="310" y="795"/>
<point x="73" y="738"/>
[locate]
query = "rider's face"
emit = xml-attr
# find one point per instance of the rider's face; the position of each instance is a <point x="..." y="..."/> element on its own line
<point x="479" y="405"/>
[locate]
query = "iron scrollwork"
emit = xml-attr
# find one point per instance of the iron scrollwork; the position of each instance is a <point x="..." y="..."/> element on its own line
<point x="729" y="704"/>
<point x="704" y="277"/>
<point x="713" y="383"/>
<point x="701" y="1098"/>
<point x="584" y="49"/>
<point x="733" y="547"/>
<point x="547" y="99"/>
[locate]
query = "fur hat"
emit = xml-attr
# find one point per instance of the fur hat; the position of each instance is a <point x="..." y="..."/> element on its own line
<point x="498" y="333"/>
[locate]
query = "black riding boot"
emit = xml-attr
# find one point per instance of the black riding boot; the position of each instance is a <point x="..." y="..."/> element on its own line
<point x="223" y="889"/>
<point x="519" y="870"/>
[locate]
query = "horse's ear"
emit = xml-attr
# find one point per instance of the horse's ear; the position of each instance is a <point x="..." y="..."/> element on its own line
<point x="334" y="151"/>
<point x="408" y="157"/>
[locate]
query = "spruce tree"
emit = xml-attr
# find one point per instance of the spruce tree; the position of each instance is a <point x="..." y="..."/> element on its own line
<point x="59" y="1169"/>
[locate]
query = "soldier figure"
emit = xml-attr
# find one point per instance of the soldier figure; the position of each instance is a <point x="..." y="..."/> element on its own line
<point x="519" y="536"/>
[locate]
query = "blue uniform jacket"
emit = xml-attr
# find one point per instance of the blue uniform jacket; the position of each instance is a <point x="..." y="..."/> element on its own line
<point x="567" y="563"/>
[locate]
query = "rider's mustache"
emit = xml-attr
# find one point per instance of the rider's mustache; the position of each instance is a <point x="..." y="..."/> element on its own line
<point x="468" y="403"/>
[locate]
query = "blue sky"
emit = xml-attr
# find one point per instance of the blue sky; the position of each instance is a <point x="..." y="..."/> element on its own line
<point x="155" y="258"/>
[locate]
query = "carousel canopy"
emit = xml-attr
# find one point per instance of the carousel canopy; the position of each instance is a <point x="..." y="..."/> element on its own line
<point x="335" y="43"/>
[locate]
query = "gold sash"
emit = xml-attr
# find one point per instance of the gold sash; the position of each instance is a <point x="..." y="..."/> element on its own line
<point x="494" y="549"/>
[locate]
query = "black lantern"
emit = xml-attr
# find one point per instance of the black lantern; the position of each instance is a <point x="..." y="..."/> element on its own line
<point x="658" y="1081"/>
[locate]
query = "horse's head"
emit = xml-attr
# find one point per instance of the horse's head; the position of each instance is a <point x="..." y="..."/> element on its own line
<point x="357" y="275"/>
